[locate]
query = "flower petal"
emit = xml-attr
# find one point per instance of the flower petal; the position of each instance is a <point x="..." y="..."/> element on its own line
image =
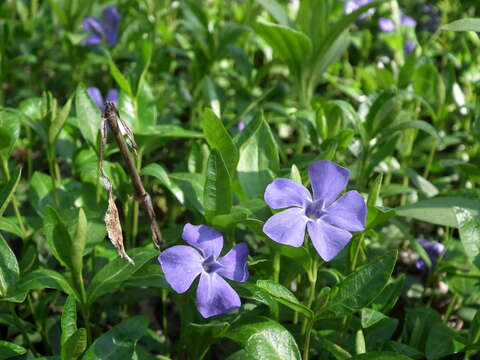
<point x="92" y="40"/>
<point x="181" y="264"/>
<point x="215" y="296"/>
<point x="234" y="263"/>
<point x="112" y="18"/>
<point x="283" y="193"/>
<point x="287" y="227"/>
<point x="328" y="240"/>
<point x="208" y="240"/>
<point x="96" y="96"/>
<point x="348" y="213"/>
<point x="328" y="180"/>
<point x="112" y="95"/>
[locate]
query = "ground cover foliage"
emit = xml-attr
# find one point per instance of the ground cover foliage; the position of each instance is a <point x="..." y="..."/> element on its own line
<point x="313" y="168"/>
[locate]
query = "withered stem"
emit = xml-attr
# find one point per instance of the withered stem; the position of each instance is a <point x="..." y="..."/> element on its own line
<point x="111" y="116"/>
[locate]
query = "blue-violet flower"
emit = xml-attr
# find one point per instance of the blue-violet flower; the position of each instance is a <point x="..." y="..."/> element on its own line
<point x="182" y="264"/>
<point x="96" y="96"/>
<point x="327" y="220"/>
<point x="434" y="249"/>
<point x="353" y="5"/>
<point x="105" y="29"/>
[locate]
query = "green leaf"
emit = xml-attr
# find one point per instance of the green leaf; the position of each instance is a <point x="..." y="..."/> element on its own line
<point x="37" y="280"/>
<point x="361" y="287"/>
<point x="277" y="11"/>
<point x="439" y="210"/>
<point x="147" y="108"/>
<point x="9" y="272"/>
<point x="112" y="275"/>
<point x="263" y="338"/>
<point x="389" y="295"/>
<point x="290" y="45"/>
<point x="381" y="355"/>
<point x="59" y="121"/>
<point x="414" y="124"/>
<point x="88" y="116"/>
<point x="119" y="342"/>
<point x="157" y="171"/>
<point x="371" y="317"/>
<point x="121" y="81"/>
<point x="8" y="190"/>
<point x="219" y="138"/>
<point x="469" y="229"/>
<point x="337" y="352"/>
<point x="67" y="250"/>
<point x="75" y="345"/>
<point x="258" y="157"/>
<point x="68" y="319"/>
<point x="217" y="198"/>
<point x="8" y="350"/>
<point x="467" y="24"/>
<point x="10" y="122"/>
<point x="284" y="296"/>
<point x="443" y="341"/>
<point x="201" y="336"/>
<point x="167" y="131"/>
<point x="422" y="184"/>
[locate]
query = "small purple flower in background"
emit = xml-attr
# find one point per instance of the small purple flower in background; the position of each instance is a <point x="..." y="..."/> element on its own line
<point x="328" y="220"/>
<point x="434" y="249"/>
<point x="96" y="96"/>
<point x="433" y="16"/>
<point x="240" y="126"/>
<point x="182" y="264"/>
<point x="352" y="5"/>
<point x="386" y="25"/>
<point x="409" y="46"/>
<point x="105" y="29"/>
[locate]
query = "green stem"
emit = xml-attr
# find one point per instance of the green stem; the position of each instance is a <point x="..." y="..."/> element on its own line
<point x="22" y="330"/>
<point x="356" y="251"/>
<point x="53" y="174"/>
<point x="6" y="174"/>
<point x="308" y="322"/>
<point x="431" y="156"/>
<point x="276" y="266"/>
<point x="450" y="308"/>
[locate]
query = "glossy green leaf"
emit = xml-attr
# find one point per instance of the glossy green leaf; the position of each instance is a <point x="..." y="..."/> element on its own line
<point x="284" y="296"/>
<point x="219" y="138"/>
<point x="439" y="210"/>
<point x="201" y="336"/>
<point x="414" y="124"/>
<point x="381" y="355"/>
<point x="9" y="272"/>
<point x="69" y="319"/>
<point x="157" y="171"/>
<point x="469" y="229"/>
<point x="9" y="350"/>
<point x="59" y="121"/>
<point x="217" y="198"/>
<point x="443" y="341"/>
<point x="467" y="24"/>
<point x="40" y="279"/>
<point x="277" y="11"/>
<point x="263" y="338"/>
<point x="338" y="352"/>
<point x="88" y="116"/>
<point x="75" y="345"/>
<point x="290" y="45"/>
<point x="258" y="157"/>
<point x="7" y="190"/>
<point x="119" y="342"/>
<point x="110" y="277"/>
<point x="361" y="287"/>
<point x="371" y="317"/>
<point x="121" y="81"/>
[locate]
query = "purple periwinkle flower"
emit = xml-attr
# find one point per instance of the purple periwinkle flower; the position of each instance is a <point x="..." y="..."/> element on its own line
<point x="241" y="126"/>
<point x="105" y="29"/>
<point x="327" y="219"/>
<point x="434" y="249"/>
<point x="386" y="25"/>
<point x="432" y="19"/>
<point x="353" y="5"/>
<point x="406" y="20"/>
<point x="96" y="96"/>
<point x="409" y="46"/>
<point x="182" y="264"/>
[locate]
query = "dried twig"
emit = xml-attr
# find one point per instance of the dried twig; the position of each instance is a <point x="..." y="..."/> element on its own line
<point x="110" y="117"/>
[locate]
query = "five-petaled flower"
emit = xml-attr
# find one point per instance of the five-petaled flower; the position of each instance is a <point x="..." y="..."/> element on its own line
<point x="105" y="29"/>
<point x="433" y="249"/>
<point x="182" y="264"/>
<point x="328" y="220"/>
<point x="96" y="96"/>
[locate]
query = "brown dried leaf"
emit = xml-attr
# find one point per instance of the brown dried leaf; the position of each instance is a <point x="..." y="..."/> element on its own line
<point x="114" y="228"/>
